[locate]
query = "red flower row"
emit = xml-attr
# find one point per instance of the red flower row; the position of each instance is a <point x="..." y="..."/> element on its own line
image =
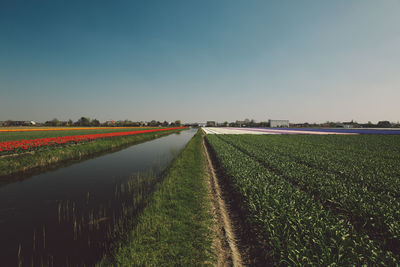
<point x="13" y="146"/>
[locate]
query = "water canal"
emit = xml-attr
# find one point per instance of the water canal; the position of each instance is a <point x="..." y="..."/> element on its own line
<point x="69" y="216"/>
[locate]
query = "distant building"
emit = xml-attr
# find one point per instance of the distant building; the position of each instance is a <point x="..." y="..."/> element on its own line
<point x="18" y="123"/>
<point x="109" y="123"/>
<point x="211" y="124"/>
<point x="350" y="124"/>
<point x="191" y="124"/>
<point x="240" y="123"/>
<point x="278" y="123"/>
<point x="347" y="125"/>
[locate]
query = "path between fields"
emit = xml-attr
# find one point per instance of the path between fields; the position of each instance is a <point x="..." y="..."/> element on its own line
<point x="225" y="243"/>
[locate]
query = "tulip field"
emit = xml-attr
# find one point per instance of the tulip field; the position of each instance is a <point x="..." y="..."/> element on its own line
<point x="14" y="134"/>
<point x="25" y="150"/>
<point x="318" y="199"/>
<point x="59" y="138"/>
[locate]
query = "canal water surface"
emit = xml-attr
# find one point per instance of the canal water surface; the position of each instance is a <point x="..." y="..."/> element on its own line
<point x="69" y="216"/>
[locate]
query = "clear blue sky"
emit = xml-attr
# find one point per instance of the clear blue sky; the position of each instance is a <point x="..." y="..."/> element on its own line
<point x="200" y="60"/>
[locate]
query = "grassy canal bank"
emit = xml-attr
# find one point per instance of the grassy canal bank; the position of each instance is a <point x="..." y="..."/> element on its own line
<point x="175" y="229"/>
<point x="51" y="156"/>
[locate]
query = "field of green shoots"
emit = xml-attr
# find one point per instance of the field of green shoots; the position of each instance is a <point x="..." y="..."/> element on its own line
<point x="318" y="200"/>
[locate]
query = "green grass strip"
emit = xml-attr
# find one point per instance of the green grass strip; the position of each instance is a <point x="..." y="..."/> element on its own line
<point x="49" y="156"/>
<point x="175" y="228"/>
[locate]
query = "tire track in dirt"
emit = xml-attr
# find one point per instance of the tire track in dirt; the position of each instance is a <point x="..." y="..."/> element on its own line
<point x="227" y="251"/>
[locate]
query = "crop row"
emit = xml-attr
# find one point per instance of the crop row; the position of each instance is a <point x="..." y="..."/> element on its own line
<point x="376" y="173"/>
<point x="45" y="129"/>
<point x="374" y="213"/>
<point x="298" y="229"/>
<point x="367" y="145"/>
<point x="26" y="135"/>
<point x="31" y="144"/>
<point x="373" y="144"/>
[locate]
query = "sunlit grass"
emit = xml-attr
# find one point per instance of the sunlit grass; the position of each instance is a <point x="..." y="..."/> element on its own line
<point x="174" y="229"/>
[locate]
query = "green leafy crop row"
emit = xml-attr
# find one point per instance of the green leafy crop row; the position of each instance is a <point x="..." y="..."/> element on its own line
<point x="376" y="169"/>
<point x="376" y="213"/>
<point x="297" y="226"/>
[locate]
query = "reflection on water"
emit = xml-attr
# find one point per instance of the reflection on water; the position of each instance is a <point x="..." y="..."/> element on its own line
<point x="68" y="216"/>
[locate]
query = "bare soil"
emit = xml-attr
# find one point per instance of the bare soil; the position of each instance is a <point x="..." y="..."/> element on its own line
<point x="249" y="239"/>
<point x="225" y="243"/>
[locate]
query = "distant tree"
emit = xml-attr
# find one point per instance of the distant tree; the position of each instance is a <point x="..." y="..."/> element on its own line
<point x="53" y="122"/>
<point x="368" y="125"/>
<point x="226" y="124"/>
<point x="63" y="123"/>
<point x="178" y="123"/>
<point x="152" y="123"/>
<point x="124" y="123"/>
<point x="95" y="122"/>
<point x="332" y="124"/>
<point x="384" y="124"/>
<point x="69" y="122"/>
<point x="83" y="121"/>
<point x="165" y="123"/>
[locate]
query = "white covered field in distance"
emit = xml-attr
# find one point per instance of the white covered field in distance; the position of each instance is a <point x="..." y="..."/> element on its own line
<point x="229" y="130"/>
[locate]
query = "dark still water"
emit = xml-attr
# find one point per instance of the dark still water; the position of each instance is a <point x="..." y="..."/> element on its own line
<point x="67" y="217"/>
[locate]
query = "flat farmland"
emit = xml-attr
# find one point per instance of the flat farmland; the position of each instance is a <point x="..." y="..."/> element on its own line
<point x="13" y="134"/>
<point x="89" y="200"/>
<point x="25" y="149"/>
<point x="317" y="199"/>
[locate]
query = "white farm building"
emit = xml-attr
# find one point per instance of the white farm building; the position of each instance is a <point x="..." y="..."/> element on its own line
<point x="278" y="123"/>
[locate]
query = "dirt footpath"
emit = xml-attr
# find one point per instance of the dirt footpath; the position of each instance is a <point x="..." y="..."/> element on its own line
<point x="225" y="244"/>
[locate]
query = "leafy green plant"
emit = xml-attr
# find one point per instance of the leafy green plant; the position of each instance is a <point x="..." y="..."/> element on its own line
<point x="298" y="227"/>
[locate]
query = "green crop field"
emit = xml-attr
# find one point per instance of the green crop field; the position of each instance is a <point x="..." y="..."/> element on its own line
<point x="318" y="200"/>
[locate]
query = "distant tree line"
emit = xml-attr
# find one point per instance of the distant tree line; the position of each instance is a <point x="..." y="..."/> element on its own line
<point x="329" y="124"/>
<point x="88" y="122"/>
<point x="354" y="124"/>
